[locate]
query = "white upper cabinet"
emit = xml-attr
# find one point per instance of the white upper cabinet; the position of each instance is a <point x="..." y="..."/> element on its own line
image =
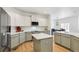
<point x="42" y="21"/>
<point x="34" y="18"/>
<point x="24" y="20"/>
<point x="20" y="20"/>
<point x="17" y="20"/>
<point x="27" y="21"/>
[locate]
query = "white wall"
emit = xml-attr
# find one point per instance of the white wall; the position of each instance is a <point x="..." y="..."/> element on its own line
<point x="60" y="14"/>
<point x="65" y="15"/>
<point x="73" y="21"/>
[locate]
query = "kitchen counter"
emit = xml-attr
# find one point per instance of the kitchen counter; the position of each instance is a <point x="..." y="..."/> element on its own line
<point x="13" y="33"/>
<point x="41" y="36"/>
<point x="70" y="33"/>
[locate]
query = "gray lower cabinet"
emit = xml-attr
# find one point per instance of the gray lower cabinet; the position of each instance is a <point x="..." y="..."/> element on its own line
<point x="57" y="38"/>
<point x="14" y="40"/>
<point x="65" y="40"/>
<point x="28" y="36"/>
<point x="75" y="44"/>
<point x="62" y="39"/>
<point x="43" y="45"/>
<point x="69" y="41"/>
<point x="22" y="37"/>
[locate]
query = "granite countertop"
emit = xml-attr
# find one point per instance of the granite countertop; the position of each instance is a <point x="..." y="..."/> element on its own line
<point x="13" y="33"/>
<point x="41" y="36"/>
<point x="70" y="33"/>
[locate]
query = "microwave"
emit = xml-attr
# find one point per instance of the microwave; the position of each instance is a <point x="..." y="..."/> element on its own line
<point x="34" y="23"/>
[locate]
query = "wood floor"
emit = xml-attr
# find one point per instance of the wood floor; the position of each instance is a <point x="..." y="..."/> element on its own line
<point x="28" y="47"/>
<point x="58" y="48"/>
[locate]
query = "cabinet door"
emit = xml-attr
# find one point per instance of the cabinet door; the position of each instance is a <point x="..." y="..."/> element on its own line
<point x="34" y="18"/>
<point x="42" y="21"/>
<point x="75" y="44"/>
<point x="22" y="37"/>
<point x="57" y="38"/>
<point x="22" y="20"/>
<point x="65" y="41"/>
<point x="28" y="36"/>
<point x="14" y="41"/>
<point x="18" y="20"/>
<point x="27" y="21"/>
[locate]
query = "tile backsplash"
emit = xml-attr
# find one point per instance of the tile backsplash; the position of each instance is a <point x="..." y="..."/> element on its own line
<point x="30" y="28"/>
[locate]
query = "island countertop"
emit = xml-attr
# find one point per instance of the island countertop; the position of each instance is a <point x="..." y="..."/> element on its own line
<point x="41" y="36"/>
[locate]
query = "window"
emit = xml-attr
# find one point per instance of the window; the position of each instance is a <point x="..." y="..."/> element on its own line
<point x="65" y="26"/>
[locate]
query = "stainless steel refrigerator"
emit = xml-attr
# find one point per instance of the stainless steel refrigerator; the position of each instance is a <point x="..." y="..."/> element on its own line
<point x="4" y="35"/>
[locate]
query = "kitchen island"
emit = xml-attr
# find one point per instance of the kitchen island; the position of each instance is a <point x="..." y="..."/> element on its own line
<point x="42" y="42"/>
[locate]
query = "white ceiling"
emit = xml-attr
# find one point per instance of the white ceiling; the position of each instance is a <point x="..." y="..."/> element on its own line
<point x="55" y="11"/>
<point x="41" y="10"/>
